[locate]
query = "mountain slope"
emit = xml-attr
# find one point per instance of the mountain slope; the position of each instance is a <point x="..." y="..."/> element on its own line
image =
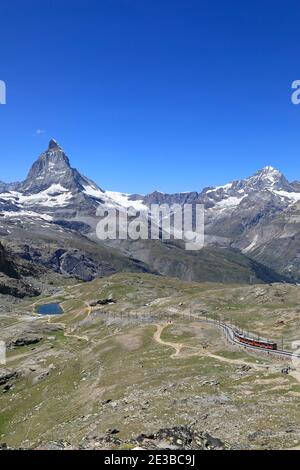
<point x="14" y="275"/>
<point x="257" y="215"/>
<point x="210" y="264"/>
<point x="277" y="244"/>
<point x="55" y="208"/>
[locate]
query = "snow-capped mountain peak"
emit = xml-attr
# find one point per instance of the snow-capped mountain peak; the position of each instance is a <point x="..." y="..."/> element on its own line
<point x="268" y="173"/>
<point x="52" y="167"/>
<point x="55" y="189"/>
<point x="268" y="178"/>
<point x="53" y="145"/>
<point x="52" y="185"/>
<point x="270" y="169"/>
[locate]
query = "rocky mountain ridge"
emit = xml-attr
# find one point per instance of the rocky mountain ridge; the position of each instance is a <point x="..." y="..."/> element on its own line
<point x="242" y="220"/>
<point x="259" y="216"/>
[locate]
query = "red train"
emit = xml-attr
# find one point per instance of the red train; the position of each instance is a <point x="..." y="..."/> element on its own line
<point x="255" y="342"/>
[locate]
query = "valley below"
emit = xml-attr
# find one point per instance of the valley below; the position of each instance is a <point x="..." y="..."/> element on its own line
<point x="130" y="363"/>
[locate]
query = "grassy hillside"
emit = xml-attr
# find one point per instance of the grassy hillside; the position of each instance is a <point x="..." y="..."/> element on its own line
<point x="147" y="362"/>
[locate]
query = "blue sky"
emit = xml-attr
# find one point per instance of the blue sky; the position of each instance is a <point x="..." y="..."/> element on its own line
<point x="171" y="95"/>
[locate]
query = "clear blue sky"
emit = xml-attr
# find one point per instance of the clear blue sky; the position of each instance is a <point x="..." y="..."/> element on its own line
<point x="151" y="94"/>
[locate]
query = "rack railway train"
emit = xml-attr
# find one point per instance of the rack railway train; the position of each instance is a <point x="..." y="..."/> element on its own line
<point x="254" y="342"/>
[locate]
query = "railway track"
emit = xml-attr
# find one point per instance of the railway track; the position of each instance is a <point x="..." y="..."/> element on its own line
<point x="230" y="334"/>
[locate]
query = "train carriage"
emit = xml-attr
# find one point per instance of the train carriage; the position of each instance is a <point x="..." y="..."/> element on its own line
<point x="255" y="342"/>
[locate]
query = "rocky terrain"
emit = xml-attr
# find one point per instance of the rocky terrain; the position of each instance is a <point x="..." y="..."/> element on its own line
<point x="177" y="438"/>
<point x="130" y="363"/>
<point x="15" y="276"/>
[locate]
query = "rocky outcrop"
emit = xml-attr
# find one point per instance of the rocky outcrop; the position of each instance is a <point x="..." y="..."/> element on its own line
<point x="7" y="265"/>
<point x="24" y="340"/>
<point x="13" y="276"/>
<point x="177" y="438"/>
<point x="17" y="288"/>
<point x="107" y="301"/>
<point x="180" y="438"/>
<point x="76" y="256"/>
<point x="7" y="375"/>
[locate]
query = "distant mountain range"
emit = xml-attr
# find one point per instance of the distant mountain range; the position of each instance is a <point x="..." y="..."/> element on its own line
<point x="252" y="226"/>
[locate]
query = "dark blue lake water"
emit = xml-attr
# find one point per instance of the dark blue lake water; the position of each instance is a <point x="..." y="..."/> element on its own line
<point x="49" y="309"/>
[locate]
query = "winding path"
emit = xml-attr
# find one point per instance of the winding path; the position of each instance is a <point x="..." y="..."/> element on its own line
<point x="157" y="338"/>
<point x="199" y="351"/>
<point x="230" y="335"/>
